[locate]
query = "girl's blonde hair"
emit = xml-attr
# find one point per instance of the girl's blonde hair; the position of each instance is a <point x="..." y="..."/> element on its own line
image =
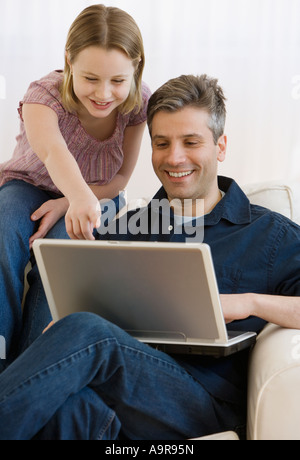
<point x="109" y="28"/>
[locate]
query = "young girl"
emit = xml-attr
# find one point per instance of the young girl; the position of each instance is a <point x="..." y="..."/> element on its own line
<point x="81" y="131"/>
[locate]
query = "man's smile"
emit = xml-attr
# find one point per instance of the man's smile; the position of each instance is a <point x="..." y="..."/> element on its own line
<point x="179" y="174"/>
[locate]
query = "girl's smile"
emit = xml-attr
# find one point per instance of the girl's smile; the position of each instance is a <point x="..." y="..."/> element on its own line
<point x="101" y="105"/>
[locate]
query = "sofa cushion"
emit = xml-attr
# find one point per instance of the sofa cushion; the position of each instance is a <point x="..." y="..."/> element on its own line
<point x="277" y="196"/>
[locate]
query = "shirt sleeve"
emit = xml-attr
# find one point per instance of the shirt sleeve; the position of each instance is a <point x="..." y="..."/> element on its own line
<point x="285" y="273"/>
<point x="45" y="92"/>
<point x="141" y="116"/>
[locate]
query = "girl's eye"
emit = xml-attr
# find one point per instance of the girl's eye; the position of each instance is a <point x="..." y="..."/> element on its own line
<point x="90" y="79"/>
<point x="118" y="82"/>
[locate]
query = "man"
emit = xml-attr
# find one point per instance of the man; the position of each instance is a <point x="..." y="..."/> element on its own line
<point x="87" y="379"/>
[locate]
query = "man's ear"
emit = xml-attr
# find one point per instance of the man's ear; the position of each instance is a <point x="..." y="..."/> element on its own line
<point x="222" y="147"/>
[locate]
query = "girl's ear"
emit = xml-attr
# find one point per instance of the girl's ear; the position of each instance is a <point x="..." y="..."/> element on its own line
<point x="68" y="60"/>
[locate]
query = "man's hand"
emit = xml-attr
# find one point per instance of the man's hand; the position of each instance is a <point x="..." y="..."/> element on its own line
<point x="281" y="310"/>
<point x="236" y="306"/>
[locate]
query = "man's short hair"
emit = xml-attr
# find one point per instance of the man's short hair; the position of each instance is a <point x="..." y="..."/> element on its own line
<point x="201" y="92"/>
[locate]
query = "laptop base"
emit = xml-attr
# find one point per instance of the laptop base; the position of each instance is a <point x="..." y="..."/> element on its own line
<point x="217" y="350"/>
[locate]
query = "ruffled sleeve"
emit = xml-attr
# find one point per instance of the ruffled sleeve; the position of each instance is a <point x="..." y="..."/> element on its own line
<point x="45" y="92"/>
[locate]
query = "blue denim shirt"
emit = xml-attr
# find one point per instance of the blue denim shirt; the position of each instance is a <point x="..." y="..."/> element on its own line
<point x="253" y="249"/>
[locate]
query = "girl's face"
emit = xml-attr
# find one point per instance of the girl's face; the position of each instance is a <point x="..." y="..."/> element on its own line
<point x="102" y="79"/>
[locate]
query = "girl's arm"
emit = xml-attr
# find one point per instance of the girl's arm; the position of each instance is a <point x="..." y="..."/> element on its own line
<point x="83" y="209"/>
<point x="46" y="140"/>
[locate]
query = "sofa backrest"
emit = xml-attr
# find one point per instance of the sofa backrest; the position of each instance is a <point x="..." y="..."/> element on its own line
<point x="278" y="196"/>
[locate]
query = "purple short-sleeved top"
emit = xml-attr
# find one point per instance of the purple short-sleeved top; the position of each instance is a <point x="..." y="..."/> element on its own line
<point x="99" y="161"/>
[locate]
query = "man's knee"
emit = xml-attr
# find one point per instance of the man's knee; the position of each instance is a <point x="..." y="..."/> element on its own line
<point x="84" y="324"/>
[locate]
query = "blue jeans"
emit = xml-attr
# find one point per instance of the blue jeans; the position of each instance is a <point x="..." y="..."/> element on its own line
<point x="87" y="379"/>
<point x="18" y="200"/>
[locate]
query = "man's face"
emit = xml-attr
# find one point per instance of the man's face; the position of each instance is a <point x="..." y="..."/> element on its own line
<point x="185" y="157"/>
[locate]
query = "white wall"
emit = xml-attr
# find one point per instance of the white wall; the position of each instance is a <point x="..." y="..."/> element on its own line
<point x="252" y="46"/>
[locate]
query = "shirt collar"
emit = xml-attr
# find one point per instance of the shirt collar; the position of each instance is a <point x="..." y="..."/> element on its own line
<point x="234" y="207"/>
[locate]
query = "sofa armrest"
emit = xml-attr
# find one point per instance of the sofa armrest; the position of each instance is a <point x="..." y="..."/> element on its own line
<point x="273" y="385"/>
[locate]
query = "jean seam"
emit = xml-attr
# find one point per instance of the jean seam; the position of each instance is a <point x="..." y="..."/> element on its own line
<point x="66" y="362"/>
<point x="69" y="360"/>
<point x="109" y="421"/>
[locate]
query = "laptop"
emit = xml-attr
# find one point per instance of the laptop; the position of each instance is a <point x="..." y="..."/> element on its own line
<point x="163" y="294"/>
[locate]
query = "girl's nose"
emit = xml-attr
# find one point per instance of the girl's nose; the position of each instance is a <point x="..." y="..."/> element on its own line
<point x="103" y="92"/>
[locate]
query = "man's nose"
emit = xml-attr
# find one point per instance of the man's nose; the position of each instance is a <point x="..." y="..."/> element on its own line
<point x="176" y="154"/>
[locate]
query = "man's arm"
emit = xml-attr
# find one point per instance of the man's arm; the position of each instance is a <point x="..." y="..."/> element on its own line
<point x="280" y="310"/>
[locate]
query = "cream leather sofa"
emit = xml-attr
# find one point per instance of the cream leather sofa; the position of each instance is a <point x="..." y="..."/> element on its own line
<point x="274" y="369"/>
